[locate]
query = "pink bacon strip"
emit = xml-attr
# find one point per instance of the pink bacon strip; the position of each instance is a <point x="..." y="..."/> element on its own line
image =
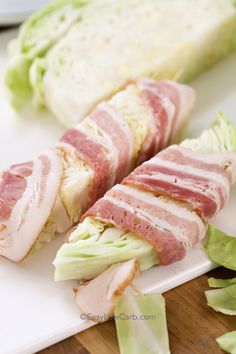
<point x="12" y="185"/>
<point x="122" y="138"/>
<point x="168" y="99"/>
<point x="169" y="227"/>
<point x="187" y="176"/>
<point x="163" y="99"/>
<point x="168" y="247"/>
<point x="170" y="223"/>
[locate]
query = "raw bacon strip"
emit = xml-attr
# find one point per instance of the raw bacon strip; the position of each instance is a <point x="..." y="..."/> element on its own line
<point x="171" y="103"/>
<point x="169" y="226"/>
<point x="105" y="140"/>
<point x="12" y="186"/>
<point x="94" y="155"/>
<point x="121" y="136"/>
<point x="212" y="162"/>
<point x="159" y="200"/>
<point x="37" y="184"/>
<point x="186" y="225"/>
<point x="157" y="167"/>
<point x="164" y="103"/>
<point x="187" y="176"/>
<point x="123" y="216"/>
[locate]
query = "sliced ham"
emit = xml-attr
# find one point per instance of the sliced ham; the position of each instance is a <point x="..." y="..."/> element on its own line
<point x="201" y="180"/>
<point x="97" y="298"/>
<point x="26" y="212"/>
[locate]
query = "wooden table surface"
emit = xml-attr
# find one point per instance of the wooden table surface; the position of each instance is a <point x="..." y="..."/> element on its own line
<point x="192" y="325"/>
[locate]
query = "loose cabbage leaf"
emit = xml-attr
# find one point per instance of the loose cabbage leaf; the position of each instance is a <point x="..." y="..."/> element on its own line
<point x="221" y="248"/>
<point x="223" y="300"/>
<point x="227" y="342"/>
<point x="141" y="324"/>
<point x="220" y="283"/>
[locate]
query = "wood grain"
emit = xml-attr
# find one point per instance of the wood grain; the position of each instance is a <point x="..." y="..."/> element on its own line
<point x="192" y="325"/>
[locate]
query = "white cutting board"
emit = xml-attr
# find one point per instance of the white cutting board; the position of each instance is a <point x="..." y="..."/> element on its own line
<point x="36" y="312"/>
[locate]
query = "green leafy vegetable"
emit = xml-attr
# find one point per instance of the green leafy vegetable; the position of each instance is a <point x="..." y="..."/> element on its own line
<point x="94" y="246"/>
<point x="227" y="342"/>
<point x="220" y="283"/>
<point x="221" y="136"/>
<point x="91" y="52"/>
<point x="36" y="36"/>
<point x="141" y="324"/>
<point x="221" y="248"/>
<point x="223" y="300"/>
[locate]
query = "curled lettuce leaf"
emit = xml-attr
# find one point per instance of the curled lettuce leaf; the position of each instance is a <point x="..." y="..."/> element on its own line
<point x="221" y="248"/>
<point x="227" y="342"/>
<point x="95" y="245"/>
<point x="141" y="324"/>
<point x="223" y="300"/>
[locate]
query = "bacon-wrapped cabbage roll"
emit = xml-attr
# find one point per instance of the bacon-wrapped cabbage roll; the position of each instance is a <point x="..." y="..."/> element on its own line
<point x="159" y="212"/>
<point x="49" y="194"/>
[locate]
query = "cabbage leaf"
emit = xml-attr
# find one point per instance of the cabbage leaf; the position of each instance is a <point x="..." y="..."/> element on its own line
<point x="141" y="324"/>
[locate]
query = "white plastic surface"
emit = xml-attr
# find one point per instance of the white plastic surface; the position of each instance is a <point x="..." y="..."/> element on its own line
<point x="36" y="312"/>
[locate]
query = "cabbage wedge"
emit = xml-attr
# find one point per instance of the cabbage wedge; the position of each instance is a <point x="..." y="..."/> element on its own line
<point x="221" y="248"/>
<point x="73" y="54"/>
<point x="94" y="245"/>
<point x="37" y="35"/>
